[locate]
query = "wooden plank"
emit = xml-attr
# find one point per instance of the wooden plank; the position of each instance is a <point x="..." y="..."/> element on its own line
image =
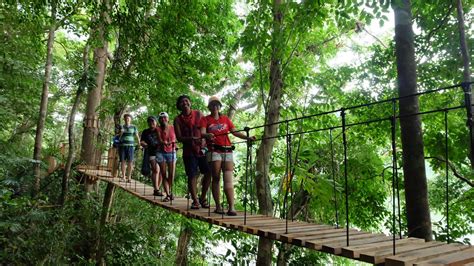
<point x="335" y="247"/>
<point x="353" y="252"/>
<point x="275" y="233"/>
<point x="379" y="256"/>
<point x="410" y="257"/>
<point x="459" y="258"/>
<point x="316" y="242"/>
<point x="316" y="234"/>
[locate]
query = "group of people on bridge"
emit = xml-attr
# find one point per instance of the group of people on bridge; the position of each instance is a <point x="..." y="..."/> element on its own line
<point x="207" y="150"/>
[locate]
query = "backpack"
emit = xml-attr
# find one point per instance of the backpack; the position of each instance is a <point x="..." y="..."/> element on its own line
<point x="116" y="141"/>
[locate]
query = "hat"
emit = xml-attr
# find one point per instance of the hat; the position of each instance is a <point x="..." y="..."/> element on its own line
<point x="151" y="117"/>
<point x="214" y="99"/>
<point x="163" y="114"/>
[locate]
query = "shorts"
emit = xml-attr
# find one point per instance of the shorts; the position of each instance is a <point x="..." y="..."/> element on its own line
<point x="126" y="153"/>
<point x="194" y="165"/>
<point x="213" y="156"/>
<point x="168" y="157"/>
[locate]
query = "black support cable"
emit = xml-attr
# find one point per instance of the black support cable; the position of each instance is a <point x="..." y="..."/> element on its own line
<point x="247" y="134"/>
<point x="334" y="178"/>
<point x="344" y="142"/>
<point x="446" y="154"/>
<point x="394" y="174"/>
<point x="395" y="169"/>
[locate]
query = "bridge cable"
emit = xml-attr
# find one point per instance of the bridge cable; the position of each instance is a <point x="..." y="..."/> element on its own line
<point x="333" y="178"/>
<point x="446" y="155"/>
<point x="344" y="141"/>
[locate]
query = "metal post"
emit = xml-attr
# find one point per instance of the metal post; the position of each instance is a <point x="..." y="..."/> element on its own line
<point x="247" y="133"/>
<point x="287" y="177"/>
<point x="344" y="141"/>
<point x="395" y="170"/>
<point x="334" y="178"/>
<point x="447" y="172"/>
<point x="394" y="174"/>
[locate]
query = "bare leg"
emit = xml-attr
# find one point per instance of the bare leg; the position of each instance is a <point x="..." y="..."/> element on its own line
<point x="165" y="178"/>
<point x="216" y="171"/>
<point x="206" y="182"/>
<point x="228" y="184"/>
<point x="171" y="169"/>
<point x="155" y="173"/>
<point x="130" y="170"/>
<point x="192" y="186"/>
<point x="122" y="167"/>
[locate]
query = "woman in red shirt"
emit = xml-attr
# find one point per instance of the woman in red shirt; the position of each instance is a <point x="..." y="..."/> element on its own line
<point x="215" y="128"/>
<point x="166" y="154"/>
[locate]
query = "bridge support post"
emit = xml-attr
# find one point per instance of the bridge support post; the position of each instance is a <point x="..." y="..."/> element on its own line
<point x="104" y="218"/>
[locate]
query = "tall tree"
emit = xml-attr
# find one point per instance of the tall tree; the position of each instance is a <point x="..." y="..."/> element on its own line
<point x="466" y="64"/>
<point x="416" y="191"/>
<point x="91" y="118"/>
<point x="44" y="99"/>
<point x="264" y="256"/>
<point x="71" y="136"/>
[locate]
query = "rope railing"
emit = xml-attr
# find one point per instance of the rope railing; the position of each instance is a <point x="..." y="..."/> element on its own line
<point x="342" y="121"/>
<point x="344" y="126"/>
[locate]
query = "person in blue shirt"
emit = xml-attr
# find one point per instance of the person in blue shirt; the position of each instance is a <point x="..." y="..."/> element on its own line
<point x="127" y="135"/>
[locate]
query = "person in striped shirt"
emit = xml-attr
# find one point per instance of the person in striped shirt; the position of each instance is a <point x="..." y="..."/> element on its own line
<point x="127" y="135"/>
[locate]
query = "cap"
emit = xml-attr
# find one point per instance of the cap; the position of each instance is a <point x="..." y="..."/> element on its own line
<point x="151" y="117"/>
<point x="214" y="99"/>
<point x="163" y="114"/>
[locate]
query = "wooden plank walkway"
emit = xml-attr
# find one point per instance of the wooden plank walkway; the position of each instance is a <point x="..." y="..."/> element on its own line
<point x="364" y="246"/>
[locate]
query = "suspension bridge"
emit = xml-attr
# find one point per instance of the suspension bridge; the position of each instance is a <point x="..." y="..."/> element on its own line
<point x="343" y="241"/>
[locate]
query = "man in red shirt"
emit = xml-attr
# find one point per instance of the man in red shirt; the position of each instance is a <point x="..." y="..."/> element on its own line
<point x="186" y="126"/>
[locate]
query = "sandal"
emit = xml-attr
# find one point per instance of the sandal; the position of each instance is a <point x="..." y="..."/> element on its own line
<point x="171" y="196"/>
<point x="232" y="213"/>
<point x="157" y="193"/>
<point x="204" y="203"/>
<point x="195" y="206"/>
<point x="166" y="199"/>
<point x="219" y="211"/>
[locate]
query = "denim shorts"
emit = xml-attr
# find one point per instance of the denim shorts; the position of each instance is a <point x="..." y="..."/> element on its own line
<point x="126" y="153"/>
<point x="193" y="165"/>
<point x="166" y="157"/>
<point x="217" y="156"/>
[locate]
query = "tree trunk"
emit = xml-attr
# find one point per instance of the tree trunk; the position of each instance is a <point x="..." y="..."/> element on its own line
<point x="106" y="206"/>
<point x="91" y="119"/>
<point x="416" y="191"/>
<point x="264" y="255"/>
<point x="465" y="62"/>
<point x="301" y="199"/>
<point x="44" y="101"/>
<point x="183" y="243"/>
<point x="72" y="117"/>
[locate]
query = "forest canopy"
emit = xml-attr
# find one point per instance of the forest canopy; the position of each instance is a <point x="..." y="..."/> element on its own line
<point x="70" y="70"/>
